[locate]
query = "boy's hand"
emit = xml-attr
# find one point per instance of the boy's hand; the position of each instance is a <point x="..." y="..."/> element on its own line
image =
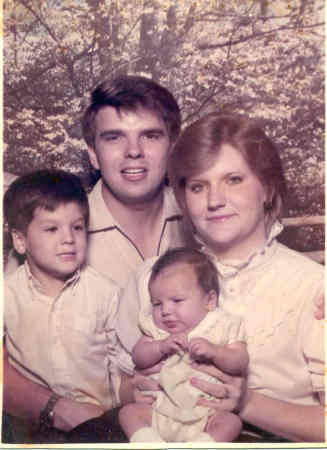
<point x="69" y="413"/>
<point x="201" y="350"/>
<point x="173" y="344"/>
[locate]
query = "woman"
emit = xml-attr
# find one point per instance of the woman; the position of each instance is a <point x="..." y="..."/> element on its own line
<point x="228" y="180"/>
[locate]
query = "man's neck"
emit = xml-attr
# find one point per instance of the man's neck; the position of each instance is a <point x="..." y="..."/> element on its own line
<point x="141" y="220"/>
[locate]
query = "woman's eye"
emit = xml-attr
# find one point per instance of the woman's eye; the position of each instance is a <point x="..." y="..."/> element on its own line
<point x="195" y="188"/>
<point x="235" y="179"/>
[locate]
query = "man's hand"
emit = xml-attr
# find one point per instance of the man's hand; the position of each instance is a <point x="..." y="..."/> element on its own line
<point x="228" y="396"/>
<point x="69" y="413"/>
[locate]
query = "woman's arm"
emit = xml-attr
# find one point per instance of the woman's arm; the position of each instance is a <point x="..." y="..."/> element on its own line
<point x="299" y="423"/>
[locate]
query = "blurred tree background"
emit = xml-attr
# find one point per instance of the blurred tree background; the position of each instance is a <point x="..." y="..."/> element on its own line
<point x="261" y="57"/>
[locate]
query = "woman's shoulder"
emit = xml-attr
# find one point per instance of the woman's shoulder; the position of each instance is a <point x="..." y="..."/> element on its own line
<point x="296" y="261"/>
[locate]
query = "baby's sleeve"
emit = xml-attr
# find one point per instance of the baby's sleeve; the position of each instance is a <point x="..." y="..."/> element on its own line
<point x="235" y="329"/>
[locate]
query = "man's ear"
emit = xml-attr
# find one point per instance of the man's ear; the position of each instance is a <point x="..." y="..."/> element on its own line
<point x="93" y="158"/>
<point x="212" y="300"/>
<point x="19" y="241"/>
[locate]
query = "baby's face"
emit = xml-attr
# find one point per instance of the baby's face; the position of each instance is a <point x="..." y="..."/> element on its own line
<point x="178" y="302"/>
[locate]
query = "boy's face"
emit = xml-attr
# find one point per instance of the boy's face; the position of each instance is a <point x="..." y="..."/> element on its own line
<point x="178" y="302"/>
<point x="55" y="243"/>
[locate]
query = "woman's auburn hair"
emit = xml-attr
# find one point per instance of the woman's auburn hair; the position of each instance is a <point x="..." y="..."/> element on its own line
<point x="200" y="143"/>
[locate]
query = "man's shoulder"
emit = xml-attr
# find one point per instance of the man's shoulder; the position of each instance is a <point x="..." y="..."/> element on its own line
<point x="171" y="207"/>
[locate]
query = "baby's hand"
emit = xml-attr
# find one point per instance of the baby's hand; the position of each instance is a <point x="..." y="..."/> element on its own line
<point x="201" y="350"/>
<point x="173" y="344"/>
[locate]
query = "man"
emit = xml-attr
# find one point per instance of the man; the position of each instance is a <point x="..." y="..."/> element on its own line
<point x="130" y="128"/>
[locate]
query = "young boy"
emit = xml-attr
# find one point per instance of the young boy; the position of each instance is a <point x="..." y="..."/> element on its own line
<point x="59" y="314"/>
<point x="181" y="322"/>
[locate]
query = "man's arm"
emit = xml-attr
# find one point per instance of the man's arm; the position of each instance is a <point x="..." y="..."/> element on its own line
<point x="25" y="398"/>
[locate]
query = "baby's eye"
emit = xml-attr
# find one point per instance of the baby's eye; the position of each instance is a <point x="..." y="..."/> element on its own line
<point x="178" y="300"/>
<point x="154" y="304"/>
<point x="196" y="187"/>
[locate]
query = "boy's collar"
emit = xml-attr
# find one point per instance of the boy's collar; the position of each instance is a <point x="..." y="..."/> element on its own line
<point x="35" y="283"/>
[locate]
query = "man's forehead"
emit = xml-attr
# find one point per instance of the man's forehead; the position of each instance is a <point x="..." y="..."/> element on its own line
<point x="109" y="117"/>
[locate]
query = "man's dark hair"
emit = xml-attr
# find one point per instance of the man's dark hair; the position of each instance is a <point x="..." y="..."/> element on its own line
<point x="130" y="93"/>
<point x="204" y="268"/>
<point x="45" y="189"/>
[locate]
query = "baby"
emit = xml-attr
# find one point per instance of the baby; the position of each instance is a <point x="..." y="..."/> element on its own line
<point x="181" y="323"/>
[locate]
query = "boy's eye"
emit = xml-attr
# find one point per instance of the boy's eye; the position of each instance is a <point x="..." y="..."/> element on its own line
<point x="51" y="229"/>
<point x="79" y="227"/>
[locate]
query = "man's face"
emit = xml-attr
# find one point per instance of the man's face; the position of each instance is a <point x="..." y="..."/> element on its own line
<point x="131" y="151"/>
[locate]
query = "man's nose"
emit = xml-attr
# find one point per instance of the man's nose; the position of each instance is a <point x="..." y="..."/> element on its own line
<point x="134" y="149"/>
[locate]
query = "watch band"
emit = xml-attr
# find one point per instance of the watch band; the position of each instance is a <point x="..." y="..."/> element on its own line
<point x="47" y="413"/>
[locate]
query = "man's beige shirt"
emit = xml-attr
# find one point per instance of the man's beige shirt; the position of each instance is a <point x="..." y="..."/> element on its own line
<point x="111" y="252"/>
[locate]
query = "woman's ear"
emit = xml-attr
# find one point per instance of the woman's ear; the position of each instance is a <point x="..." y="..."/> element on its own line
<point x="19" y="241"/>
<point x="212" y="300"/>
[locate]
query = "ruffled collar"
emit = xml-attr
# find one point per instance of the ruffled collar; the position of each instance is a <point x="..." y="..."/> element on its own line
<point x="231" y="267"/>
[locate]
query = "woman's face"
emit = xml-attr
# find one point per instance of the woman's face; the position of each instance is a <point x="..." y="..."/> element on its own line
<point x="226" y="206"/>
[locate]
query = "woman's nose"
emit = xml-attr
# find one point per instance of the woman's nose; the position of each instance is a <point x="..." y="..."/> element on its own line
<point x="216" y="197"/>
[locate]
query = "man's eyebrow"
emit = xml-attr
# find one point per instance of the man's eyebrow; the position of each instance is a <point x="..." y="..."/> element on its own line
<point x="159" y="131"/>
<point x="111" y="132"/>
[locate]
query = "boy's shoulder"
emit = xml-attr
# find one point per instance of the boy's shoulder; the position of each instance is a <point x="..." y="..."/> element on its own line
<point x="94" y="278"/>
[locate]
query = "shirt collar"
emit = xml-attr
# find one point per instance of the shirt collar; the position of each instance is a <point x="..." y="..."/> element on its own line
<point x="101" y="218"/>
<point x="37" y="287"/>
<point x="229" y="268"/>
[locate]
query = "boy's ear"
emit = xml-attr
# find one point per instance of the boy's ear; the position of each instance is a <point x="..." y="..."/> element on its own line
<point x="19" y="241"/>
<point x="93" y="158"/>
<point x="212" y="300"/>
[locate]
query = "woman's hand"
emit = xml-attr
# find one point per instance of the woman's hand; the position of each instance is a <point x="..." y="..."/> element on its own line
<point x="229" y="395"/>
<point x="142" y="382"/>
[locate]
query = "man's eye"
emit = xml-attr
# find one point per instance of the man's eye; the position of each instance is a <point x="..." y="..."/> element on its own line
<point x="153" y="136"/>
